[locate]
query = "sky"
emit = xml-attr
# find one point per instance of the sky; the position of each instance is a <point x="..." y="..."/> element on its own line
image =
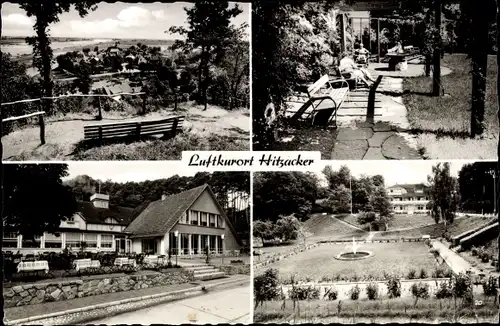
<point x="395" y="172"/>
<point x="111" y="20"/>
<point x="128" y="170"/>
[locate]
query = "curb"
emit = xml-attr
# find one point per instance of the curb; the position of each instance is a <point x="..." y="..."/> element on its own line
<point x="186" y="292"/>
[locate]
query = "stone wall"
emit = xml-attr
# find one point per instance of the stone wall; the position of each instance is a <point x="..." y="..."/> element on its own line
<point x="34" y="293"/>
<point x="235" y="269"/>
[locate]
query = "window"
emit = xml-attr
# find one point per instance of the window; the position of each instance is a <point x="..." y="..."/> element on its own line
<point x="91" y="240"/>
<point x="111" y="220"/>
<point x="212" y="220"/>
<point x="193" y="217"/>
<point x="9" y="240"/>
<point x="204" y="218"/>
<point x="70" y="220"/>
<point x="184" y="219"/>
<point x="219" y="244"/>
<point x="213" y="238"/>
<point x="30" y="243"/>
<point x="220" y="222"/>
<point x="52" y="241"/>
<point x="73" y="240"/>
<point x="106" y="240"/>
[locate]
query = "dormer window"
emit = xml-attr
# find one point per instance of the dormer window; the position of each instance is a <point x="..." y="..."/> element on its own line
<point x="110" y="220"/>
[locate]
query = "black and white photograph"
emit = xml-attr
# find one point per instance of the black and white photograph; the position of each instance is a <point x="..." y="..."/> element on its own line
<point x="89" y="80"/>
<point x="125" y="243"/>
<point x="376" y="80"/>
<point x="385" y="242"/>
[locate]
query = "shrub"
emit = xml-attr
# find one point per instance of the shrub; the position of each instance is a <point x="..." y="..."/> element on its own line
<point x="354" y="292"/>
<point x="366" y="217"/>
<point x="331" y="294"/>
<point x="393" y="287"/>
<point x="412" y="274"/>
<point x="304" y="293"/>
<point x="441" y="272"/>
<point x="266" y="286"/>
<point x="427" y="242"/>
<point x="490" y="286"/>
<point x="444" y="290"/>
<point x="474" y="251"/>
<point x="462" y="287"/>
<point x="434" y="251"/>
<point x="237" y="261"/>
<point x="372" y="291"/>
<point x="420" y="290"/>
<point x="423" y="273"/>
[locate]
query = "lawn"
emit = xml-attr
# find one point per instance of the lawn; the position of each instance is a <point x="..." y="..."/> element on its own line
<point x="214" y="129"/>
<point x="320" y="263"/>
<point x="402" y="310"/>
<point x="443" y="123"/>
<point x="326" y="227"/>
<point x="400" y="221"/>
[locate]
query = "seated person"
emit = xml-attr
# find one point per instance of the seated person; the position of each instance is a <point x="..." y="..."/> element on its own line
<point x="349" y="69"/>
<point x="362" y="54"/>
<point x="397" y="49"/>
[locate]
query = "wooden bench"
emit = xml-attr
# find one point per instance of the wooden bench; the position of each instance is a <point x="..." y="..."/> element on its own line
<point x="168" y="127"/>
<point x="320" y="91"/>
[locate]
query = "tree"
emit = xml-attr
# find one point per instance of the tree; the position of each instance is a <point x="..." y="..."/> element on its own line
<point x="336" y="178"/>
<point x="443" y="194"/>
<point x="83" y="81"/>
<point x="340" y="200"/>
<point x="36" y="201"/>
<point x="46" y="14"/>
<point x="381" y="204"/>
<point x="287" y="227"/>
<point x="476" y="187"/>
<point x="209" y="31"/>
<point x="263" y="230"/>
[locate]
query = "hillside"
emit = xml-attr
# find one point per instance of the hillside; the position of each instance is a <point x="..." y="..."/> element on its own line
<point x="327" y="227"/>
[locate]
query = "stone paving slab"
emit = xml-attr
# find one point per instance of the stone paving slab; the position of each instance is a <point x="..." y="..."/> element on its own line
<point x="350" y="149"/>
<point x="396" y="147"/>
<point x="354" y="134"/>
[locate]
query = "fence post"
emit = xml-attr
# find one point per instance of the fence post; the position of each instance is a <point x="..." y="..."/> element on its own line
<point x="100" y="135"/>
<point x="174" y="127"/>
<point x="42" y="128"/>
<point x="138" y="131"/>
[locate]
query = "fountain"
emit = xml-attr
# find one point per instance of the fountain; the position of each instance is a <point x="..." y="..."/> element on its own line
<point x="354" y="253"/>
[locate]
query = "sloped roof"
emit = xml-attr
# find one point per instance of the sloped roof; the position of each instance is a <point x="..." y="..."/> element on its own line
<point x="410" y="188"/>
<point x="161" y="215"/>
<point x="92" y="214"/>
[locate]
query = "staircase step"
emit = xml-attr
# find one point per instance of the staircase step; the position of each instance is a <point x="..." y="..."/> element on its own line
<point x="209" y="276"/>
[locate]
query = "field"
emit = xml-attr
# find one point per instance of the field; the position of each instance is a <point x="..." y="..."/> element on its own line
<point x="401" y="310"/>
<point x="320" y="262"/>
<point x="213" y="129"/>
<point x="443" y="123"/>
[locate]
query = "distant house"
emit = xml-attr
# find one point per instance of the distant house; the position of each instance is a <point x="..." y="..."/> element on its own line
<point x="185" y="223"/>
<point x="96" y="223"/>
<point x="409" y="198"/>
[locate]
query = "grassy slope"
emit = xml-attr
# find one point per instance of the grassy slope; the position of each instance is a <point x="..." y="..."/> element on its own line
<point x="399" y="221"/>
<point x="323" y="227"/>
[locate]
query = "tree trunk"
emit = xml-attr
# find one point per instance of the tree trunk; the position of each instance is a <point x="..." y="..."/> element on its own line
<point x="46" y="66"/>
<point x="436" y="86"/>
<point x="479" y="58"/>
<point x="498" y="113"/>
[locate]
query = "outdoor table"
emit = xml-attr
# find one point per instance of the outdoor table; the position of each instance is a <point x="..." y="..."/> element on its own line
<point x="33" y="266"/>
<point x="395" y="58"/>
<point x="125" y="263"/>
<point x="86" y="264"/>
<point x="151" y="260"/>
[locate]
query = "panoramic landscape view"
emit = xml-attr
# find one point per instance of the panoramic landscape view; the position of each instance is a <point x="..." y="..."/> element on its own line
<point x="137" y="243"/>
<point x="376" y="80"/>
<point x="119" y="81"/>
<point x="389" y="242"/>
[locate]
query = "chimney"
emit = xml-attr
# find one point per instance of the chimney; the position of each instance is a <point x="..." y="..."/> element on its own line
<point x="163" y="197"/>
<point x="100" y="200"/>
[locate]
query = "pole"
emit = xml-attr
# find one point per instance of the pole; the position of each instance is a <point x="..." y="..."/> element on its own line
<point x="436" y="86"/>
<point x="494" y="193"/>
<point x="378" y="40"/>
<point x="350" y="188"/>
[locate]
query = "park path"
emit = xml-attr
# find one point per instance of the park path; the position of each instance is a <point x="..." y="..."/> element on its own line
<point x="454" y="260"/>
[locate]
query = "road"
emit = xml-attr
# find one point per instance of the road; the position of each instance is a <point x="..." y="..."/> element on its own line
<point x="227" y="306"/>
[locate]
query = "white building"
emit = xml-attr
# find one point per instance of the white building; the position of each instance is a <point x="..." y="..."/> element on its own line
<point x="409" y="198"/>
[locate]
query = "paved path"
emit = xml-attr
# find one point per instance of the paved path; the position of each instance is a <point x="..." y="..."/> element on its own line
<point x="228" y="306"/>
<point x="454" y="260"/>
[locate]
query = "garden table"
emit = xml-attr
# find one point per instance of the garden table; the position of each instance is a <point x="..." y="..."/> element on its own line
<point x="33" y="267"/>
<point x="395" y="59"/>
<point x="125" y="263"/>
<point x="151" y="260"/>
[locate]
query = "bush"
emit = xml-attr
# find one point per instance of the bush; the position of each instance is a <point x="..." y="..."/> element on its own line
<point x="372" y="291"/>
<point x="441" y="272"/>
<point x="237" y="261"/>
<point x="444" y="290"/>
<point x="393" y="287"/>
<point x="490" y="286"/>
<point x="474" y="251"/>
<point x="434" y="251"/>
<point x="331" y="294"/>
<point x="420" y="290"/>
<point x="304" y="293"/>
<point x="423" y="273"/>
<point x="427" y="242"/>
<point x="366" y="217"/>
<point x="412" y="274"/>
<point x="354" y="292"/>
<point x="462" y="287"/>
<point x="266" y="286"/>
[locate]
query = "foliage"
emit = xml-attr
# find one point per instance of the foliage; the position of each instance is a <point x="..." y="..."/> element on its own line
<point x="420" y="290"/>
<point x="412" y="274"/>
<point x="287" y="228"/>
<point x="211" y="32"/>
<point x="366" y="218"/>
<point x="266" y="286"/>
<point x="339" y="200"/>
<point x="423" y="273"/>
<point x="443" y="194"/>
<point x="263" y="229"/>
<point x="372" y="291"/>
<point x="490" y="286"/>
<point x="476" y="187"/>
<point x="381" y="203"/>
<point x="462" y="287"/>
<point x="354" y="292"/>
<point x="441" y="272"/>
<point x="393" y="287"/>
<point x="444" y="290"/>
<point x="303" y="293"/>
<point x="41" y="185"/>
<point x="283" y="193"/>
<point x="331" y="294"/>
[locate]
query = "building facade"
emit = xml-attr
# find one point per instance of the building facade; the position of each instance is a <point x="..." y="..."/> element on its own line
<point x="96" y="226"/>
<point x="184" y="224"/>
<point x="409" y="198"/>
